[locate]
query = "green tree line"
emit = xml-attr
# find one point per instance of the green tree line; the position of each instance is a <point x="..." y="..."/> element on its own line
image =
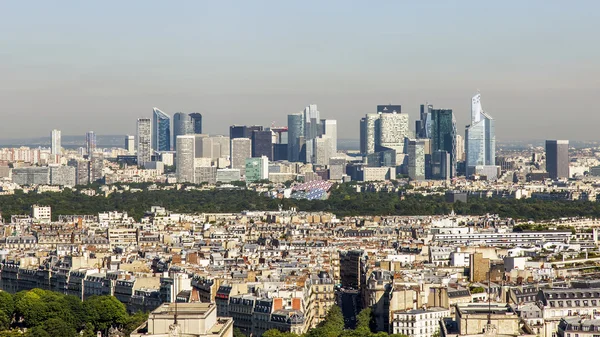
<point x="333" y="326"/>
<point x="343" y="201"/>
<point x="43" y="313"/>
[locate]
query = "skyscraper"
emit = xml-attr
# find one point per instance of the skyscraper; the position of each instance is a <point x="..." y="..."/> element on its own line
<point x="295" y="136"/>
<point x="196" y="122"/>
<point x="416" y="159"/>
<point x="423" y="125"/>
<point x="557" y="158"/>
<point x="369" y="133"/>
<point x="241" y="149"/>
<point x="90" y="143"/>
<point x="330" y="130"/>
<point x="130" y="144"/>
<point x="322" y="150"/>
<point x="182" y="125"/>
<point x="56" y="146"/>
<point x="161" y="131"/>
<point x="238" y="131"/>
<point x="393" y="129"/>
<point x="262" y="144"/>
<point x="184" y="159"/>
<point x="480" y="139"/>
<point x="443" y="135"/>
<point x="144" y="147"/>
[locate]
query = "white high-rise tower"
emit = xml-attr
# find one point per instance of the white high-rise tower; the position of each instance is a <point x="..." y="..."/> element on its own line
<point x="56" y="147"/>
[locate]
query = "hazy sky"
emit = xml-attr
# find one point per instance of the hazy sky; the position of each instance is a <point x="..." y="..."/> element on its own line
<point x="99" y="65"/>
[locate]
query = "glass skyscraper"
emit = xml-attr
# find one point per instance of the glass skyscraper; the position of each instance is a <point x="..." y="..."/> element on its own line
<point x="196" y="122"/>
<point x="295" y="136"/>
<point x="480" y="138"/>
<point x="182" y="125"/>
<point x="161" y="131"/>
<point x="90" y="143"/>
<point x="443" y="135"/>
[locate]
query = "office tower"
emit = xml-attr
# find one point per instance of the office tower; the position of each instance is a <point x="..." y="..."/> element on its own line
<point x="416" y="159"/>
<point x="56" y="146"/>
<point x="182" y="125"/>
<point x="196" y="122"/>
<point x="441" y="165"/>
<point x="205" y="174"/>
<point x="382" y="109"/>
<point x="90" y="143"/>
<point x="185" y="158"/>
<point x="423" y="125"/>
<point x="238" y="131"/>
<point x="257" y="169"/>
<point x="280" y="152"/>
<point x="82" y="171"/>
<point x="31" y="176"/>
<point x="312" y="122"/>
<point x="144" y="147"/>
<point x="161" y="131"/>
<point x="443" y="135"/>
<point x="96" y="168"/>
<point x="370" y="133"/>
<point x="262" y="144"/>
<point x="130" y="144"/>
<point x="330" y="130"/>
<point x="557" y="158"/>
<point x="295" y="134"/>
<point x="480" y="138"/>
<point x="393" y="129"/>
<point x="460" y="148"/>
<point x="322" y="150"/>
<point x="241" y="149"/>
<point x="63" y="175"/>
<point x="224" y="149"/>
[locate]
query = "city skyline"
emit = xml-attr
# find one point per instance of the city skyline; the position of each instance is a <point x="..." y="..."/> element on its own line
<point x="343" y="62"/>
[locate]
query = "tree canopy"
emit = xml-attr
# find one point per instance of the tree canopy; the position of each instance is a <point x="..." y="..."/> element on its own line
<point x="343" y="201"/>
<point x="48" y="314"/>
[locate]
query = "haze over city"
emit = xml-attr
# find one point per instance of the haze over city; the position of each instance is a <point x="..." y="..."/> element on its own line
<point x="98" y="66"/>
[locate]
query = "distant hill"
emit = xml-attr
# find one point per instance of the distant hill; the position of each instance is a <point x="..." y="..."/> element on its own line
<point x="67" y="141"/>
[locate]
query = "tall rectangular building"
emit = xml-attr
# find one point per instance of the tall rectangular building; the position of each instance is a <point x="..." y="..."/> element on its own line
<point x="443" y="135"/>
<point x="185" y="158"/>
<point x="182" y="125"/>
<point x="241" y="149"/>
<point x="295" y="136"/>
<point x="416" y="159"/>
<point x="56" y="146"/>
<point x="161" y="131"/>
<point x="238" y="131"/>
<point x="557" y="158"/>
<point x="196" y="122"/>
<point x="144" y="138"/>
<point x="130" y="144"/>
<point x="262" y="144"/>
<point x="330" y="130"/>
<point x="90" y="143"/>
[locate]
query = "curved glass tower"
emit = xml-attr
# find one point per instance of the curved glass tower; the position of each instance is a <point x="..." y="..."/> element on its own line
<point x="161" y="130"/>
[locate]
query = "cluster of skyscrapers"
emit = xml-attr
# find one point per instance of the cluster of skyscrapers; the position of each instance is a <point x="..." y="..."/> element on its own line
<point x="310" y="138"/>
<point x="434" y="149"/>
<point x="154" y="135"/>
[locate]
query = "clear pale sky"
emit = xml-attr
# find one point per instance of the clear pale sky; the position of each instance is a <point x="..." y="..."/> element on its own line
<point x="99" y="65"/>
